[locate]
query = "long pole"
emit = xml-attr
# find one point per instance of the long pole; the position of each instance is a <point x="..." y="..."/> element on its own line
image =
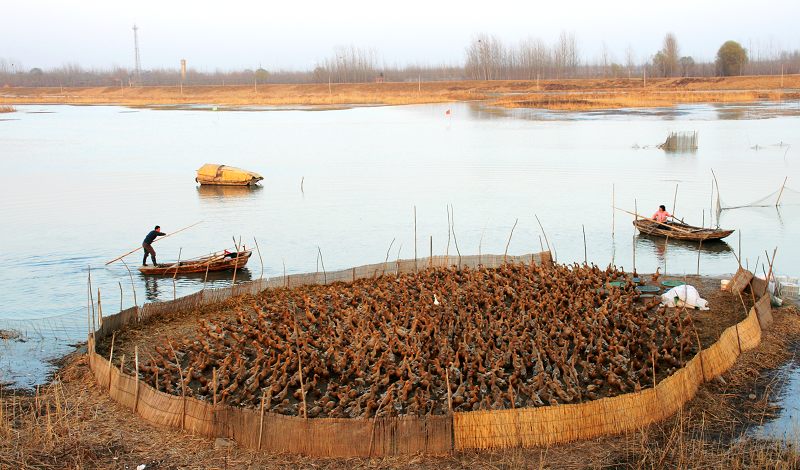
<point x="613" y="212"/>
<point x="781" y="193"/>
<point x="675" y="200"/>
<point x="157" y="239"/>
<point x="672" y="227"/>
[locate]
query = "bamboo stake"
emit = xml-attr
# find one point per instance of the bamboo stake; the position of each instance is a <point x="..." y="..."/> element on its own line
<point x="111" y="359"/>
<point x="415" y="238"/>
<point x="258" y="250"/>
<point x="136" y="365"/>
<point x="675" y="199"/>
<point x="99" y="310"/>
<point x="700" y="353"/>
<point x="449" y="393"/>
<point x="133" y="287"/>
<point x="543" y="232"/>
<point x="157" y="239"/>
<point x="666" y="246"/>
<point x="585" y="255"/>
<point x="120" y="295"/>
<point x="447" y="250"/>
<point x="430" y="259"/>
<point x="91" y="301"/>
<point x="699" y="249"/>
<point x="740" y="249"/>
<point x="177" y="265"/>
<point x="322" y="261"/>
<point x="781" y="193"/>
<point x="183" y="385"/>
<point x="214" y="384"/>
<point x="261" y="421"/>
<point x="453" y="228"/>
<point x="236" y="261"/>
<point x="634" y="250"/>
<point x="711" y="206"/>
<point x="505" y="254"/>
<point x="205" y="278"/>
<point x="613" y="212"/>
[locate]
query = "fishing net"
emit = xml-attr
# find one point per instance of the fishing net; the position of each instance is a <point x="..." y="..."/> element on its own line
<point x="783" y="196"/>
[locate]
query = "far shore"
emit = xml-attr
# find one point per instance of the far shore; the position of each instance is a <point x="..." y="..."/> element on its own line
<point x="565" y="94"/>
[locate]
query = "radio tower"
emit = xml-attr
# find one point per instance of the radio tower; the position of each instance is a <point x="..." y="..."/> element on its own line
<point x="138" y="68"/>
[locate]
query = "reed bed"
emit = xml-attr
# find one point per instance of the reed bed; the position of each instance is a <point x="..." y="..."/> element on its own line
<point x="551" y="94"/>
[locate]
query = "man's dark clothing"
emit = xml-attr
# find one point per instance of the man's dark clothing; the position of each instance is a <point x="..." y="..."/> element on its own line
<point x="152" y="236"/>
<point x="148" y="248"/>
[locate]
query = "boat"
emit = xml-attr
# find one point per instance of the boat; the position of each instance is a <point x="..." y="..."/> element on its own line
<point x="680" y="231"/>
<point x="214" y="173"/>
<point x="210" y="263"/>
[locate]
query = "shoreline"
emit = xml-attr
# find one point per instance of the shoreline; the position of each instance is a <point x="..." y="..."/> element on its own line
<point x="565" y="94"/>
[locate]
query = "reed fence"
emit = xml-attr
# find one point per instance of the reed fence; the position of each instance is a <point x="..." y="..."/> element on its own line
<point x="431" y="434"/>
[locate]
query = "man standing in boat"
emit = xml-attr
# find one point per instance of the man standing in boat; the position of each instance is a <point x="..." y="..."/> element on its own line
<point x="662" y="215"/>
<point x="148" y="247"/>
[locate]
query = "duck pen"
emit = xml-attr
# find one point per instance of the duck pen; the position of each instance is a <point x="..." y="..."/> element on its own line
<point x="448" y="424"/>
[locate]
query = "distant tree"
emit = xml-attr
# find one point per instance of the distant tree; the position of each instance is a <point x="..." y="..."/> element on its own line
<point x="687" y="66"/>
<point x="666" y="60"/>
<point x="261" y="75"/>
<point x="731" y="58"/>
<point x="36" y="71"/>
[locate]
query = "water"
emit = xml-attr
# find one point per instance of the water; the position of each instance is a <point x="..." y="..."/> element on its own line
<point x="786" y="427"/>
<point x="84" y="184"/>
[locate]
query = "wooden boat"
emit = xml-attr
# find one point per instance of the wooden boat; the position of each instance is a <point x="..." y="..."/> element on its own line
<point x="213" y="173"/>
<point x="210" y="263"/>
<point x="679" y="231"/>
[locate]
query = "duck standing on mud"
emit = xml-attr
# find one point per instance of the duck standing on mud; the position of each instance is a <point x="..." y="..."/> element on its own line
<point x="148" y="247"/>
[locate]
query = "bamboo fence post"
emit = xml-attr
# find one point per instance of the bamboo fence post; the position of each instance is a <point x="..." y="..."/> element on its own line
<point x="285" y="279"/>
<point x="415" y="238"/>
<point x="666" y="247"/>
<point x="88" y="316"/>
<point x="447" y="249"/>
<point x="91" y="301"/>
<point x="111" y="359"/>
<point x="205" y="278"/>
<point x="541" y="245"/>
<point x="99" y="310"/>
<point x="634" y="250"/>
<point x="120" y="295"/>
<point x="133" y="287"/>
<point x="183" y="386"/>
<point x="740" y="248"/>
<point x="177" y="266"/>
<point x="771" y="263"/>
<point x="322" y="261"/>
<point x="430" y="259"/>
<point x="543" y="232"/>
<point x="453" y="228"/>
<point x="505" y="253"/>
<point x="354" y="272"/>
<point x="711" y="206"/>
<point x="136" y="365"/>
<point x="585" y="253"/>
<point x="449" y="392"/>
<point x="236" y="262"/>
<point x="258" y="250"/>
<point x="214" y="385"/>
<point x="385" y="260"/>
<point x="122" y="364"/>
<point x="699" y="249"/>
<point x="300" y="365"/>
<point x="261" y="421"/>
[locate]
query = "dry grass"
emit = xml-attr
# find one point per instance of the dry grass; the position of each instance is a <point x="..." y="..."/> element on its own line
<point x="572" y="94"/>
<point x="72" y="424"/>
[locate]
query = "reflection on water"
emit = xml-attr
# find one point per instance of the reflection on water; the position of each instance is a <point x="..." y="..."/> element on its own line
<point x="673" y="249"/>
<point x="222" y="191"/>
<point x="160" y="288"/>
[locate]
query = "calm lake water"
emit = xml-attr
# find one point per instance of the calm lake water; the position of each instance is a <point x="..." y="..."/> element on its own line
<point x="84" y="184"/>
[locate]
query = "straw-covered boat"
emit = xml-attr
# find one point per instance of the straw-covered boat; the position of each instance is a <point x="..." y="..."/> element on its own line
<point x="214" y="173"/>
<point x="680" y="231"/>
<point x="210" y="263"/>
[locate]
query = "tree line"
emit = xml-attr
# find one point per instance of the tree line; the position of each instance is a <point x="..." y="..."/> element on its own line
<point x="485" y="58"/>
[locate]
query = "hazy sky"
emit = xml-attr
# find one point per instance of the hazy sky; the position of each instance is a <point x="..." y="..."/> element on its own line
<point x="296" y="34"/>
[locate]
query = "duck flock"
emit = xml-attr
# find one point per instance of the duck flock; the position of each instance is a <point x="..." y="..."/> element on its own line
<point x="514" y="336"/>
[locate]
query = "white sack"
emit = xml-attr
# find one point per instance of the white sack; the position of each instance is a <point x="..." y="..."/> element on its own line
<point x="685" y="294"/>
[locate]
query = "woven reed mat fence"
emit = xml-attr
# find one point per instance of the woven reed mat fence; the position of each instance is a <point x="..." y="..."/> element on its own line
<point x="341" y="437"/>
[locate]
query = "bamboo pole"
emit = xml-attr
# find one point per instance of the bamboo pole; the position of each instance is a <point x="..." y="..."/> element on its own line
<point x="183" y="386"/>
<point x="585" y="253"/>
<point x="675" y="200"/>
<point x="236" y="261"/>
<point x="449" y="392"/>
<point x="415" y="238"/>
<point x="99" y="310"/>
<point x="543" y="232"/>
<point x="699" y="249"/>
<point x="613" y="212"/>
<point x="505" y="253"/>
<point x="133" y="287"/>
<point x="177" y="265"/>
<point x="258" y="250"/>
<point x="261" y="421"/>
<point x="430" y="258"/>
<point x="111" y="360"/>
<point x="447" y="249"/>
<point x="157" y="239"/>
<point x="120" y="295"/>
<point x="214" y="385"/>
<point x="453" y="229"/>
<point x="634" y="250"/>
<point x="136" y="365"/>
<point x="91" y="301"/>
<point x="781" y="192"/>
<point x="322" y="261"/>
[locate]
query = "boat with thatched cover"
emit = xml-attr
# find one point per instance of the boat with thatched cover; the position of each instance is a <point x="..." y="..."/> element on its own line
<point x="680" y="231"/>
<point x="214" y="173"/>
<point x="209" y="263"/>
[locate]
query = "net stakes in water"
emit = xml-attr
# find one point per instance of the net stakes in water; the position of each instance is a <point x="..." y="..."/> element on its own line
<point x="680" y="142"/>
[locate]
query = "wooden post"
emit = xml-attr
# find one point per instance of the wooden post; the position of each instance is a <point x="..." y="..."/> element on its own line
<point x="634" y="251"/>
<point x="322" y="261"/>
<point x="91" y="301"/>
<point x="675" y="200"/>
<point x="699" y="249"/>
<point x="430" y="259"/>
<point x="613" y="212"/>
<point x="120" y="295"/>
<point x="235" y="263"/>
<point x="99" y="310"/>
<point x="449" y="392"/>
<point x="653" y="357"/>
<point x="214" y="385"/>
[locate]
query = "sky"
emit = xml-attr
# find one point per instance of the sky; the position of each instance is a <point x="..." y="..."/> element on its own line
<point x="298" y="34"/>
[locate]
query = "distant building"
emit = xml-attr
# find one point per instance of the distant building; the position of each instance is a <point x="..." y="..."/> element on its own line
<point x="379" y="78"/>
